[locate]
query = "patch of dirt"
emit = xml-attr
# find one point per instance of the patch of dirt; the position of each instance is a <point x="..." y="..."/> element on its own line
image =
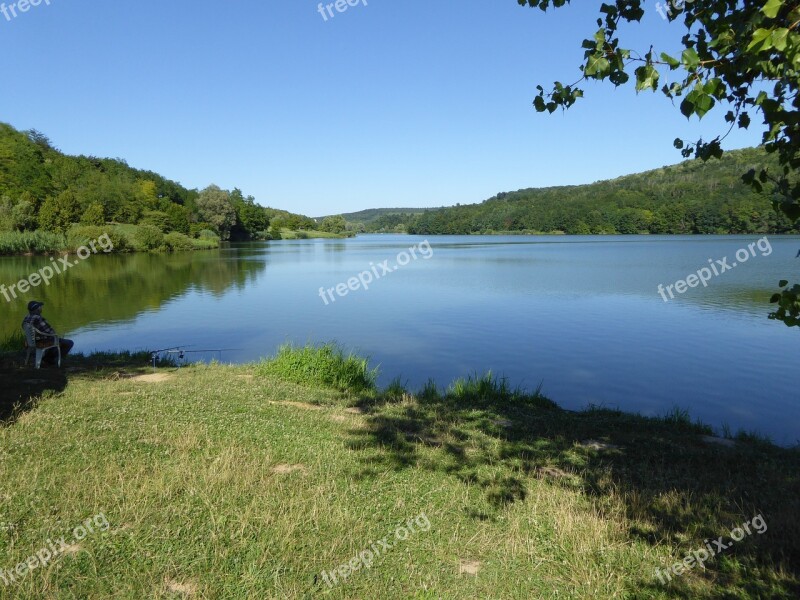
<point x="151" y="378"/>
<point x="284" y="469"/>
<point x="186" y="589"/>
<point x="595" y="445"/>
<point x="302" y="405"/>
<point x="468" y="567"/>
<point x="72" y="549"/>
<point x="355" y="410"/>
<point x="553" y="472"/>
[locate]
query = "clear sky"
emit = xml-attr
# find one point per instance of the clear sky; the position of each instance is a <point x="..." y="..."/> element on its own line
<point x="392" y="103"/>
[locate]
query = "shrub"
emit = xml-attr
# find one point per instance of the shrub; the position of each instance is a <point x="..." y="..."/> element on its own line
<point x="195" y="229"/>
<point x="206" y="243"/>
<point x="156" y="218"/>
<point x="148" y="237"/>
<point x="82" y="235"/>
<point x="321" y="365"/>
<point x="177" y="242"/>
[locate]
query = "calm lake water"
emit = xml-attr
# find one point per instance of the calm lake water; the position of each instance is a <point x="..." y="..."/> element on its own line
<point x="580" y="315"/>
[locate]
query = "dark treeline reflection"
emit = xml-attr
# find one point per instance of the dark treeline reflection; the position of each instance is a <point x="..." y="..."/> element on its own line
<point x="113" y="288"/>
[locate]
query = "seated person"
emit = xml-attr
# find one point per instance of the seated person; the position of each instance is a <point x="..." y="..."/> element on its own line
<point x="41" y="325"/>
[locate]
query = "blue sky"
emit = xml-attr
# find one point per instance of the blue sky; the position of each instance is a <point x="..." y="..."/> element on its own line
<point x="412" y="103"/>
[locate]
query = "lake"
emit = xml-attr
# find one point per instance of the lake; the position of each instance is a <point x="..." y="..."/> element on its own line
<point x="582" y="316"/>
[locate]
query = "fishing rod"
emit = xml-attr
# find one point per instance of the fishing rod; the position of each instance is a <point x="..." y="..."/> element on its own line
<point x="181" y="352"/>
<point x="154" y="354"/>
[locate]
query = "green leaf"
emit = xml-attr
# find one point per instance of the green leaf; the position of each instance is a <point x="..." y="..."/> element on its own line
<point x="783" y="283"/>
<point x="697" y="102"/>
<point x="690" y="58"/>
<point x="759" y="38"/>
<point x="744" y="120"/>
<point x="596" y="66"/>
<point x="646" y="77"/>
<point x="673" y="63"/>
<point x="778" y="39"/>
<point x="772" y="7"/>
<point x="687" y="107"/>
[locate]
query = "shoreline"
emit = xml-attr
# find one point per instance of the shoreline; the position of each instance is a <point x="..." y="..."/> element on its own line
<point x="307" y="466"/>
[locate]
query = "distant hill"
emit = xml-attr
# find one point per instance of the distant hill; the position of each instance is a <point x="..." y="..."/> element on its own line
<point x="43" y="189"/>
<point x="372" y="214"/>
<point x="690" y="197"/>
<point x="379" y="220"/>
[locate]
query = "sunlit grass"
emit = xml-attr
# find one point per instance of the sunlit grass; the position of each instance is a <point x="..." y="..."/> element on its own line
<point x="249" y="481"/>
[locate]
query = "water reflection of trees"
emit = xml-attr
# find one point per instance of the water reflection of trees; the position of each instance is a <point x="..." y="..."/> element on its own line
<point x="107" y="288"/>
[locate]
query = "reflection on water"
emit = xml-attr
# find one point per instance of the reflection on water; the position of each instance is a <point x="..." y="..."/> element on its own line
<point x="582" y="315"/>
<point x="107" y="289"/>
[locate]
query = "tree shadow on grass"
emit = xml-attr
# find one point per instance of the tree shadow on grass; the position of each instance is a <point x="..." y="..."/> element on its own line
<point x="673" y="482"/>
<point x="22" y="386"/>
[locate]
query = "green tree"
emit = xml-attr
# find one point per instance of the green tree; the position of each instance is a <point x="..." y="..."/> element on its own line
<point x="743" y="56"/>
<point x="733" y="52"/>
<point x="158" y="219"/>
<point x="214" y="206"/>
<point x="59" y="212"/>
<point x="94" y="215"/>
<point x="251" y="219"/>
<point x="335" y="224"/>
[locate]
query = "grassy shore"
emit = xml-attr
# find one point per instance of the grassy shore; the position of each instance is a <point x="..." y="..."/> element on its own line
<point x="308" y="234"/>
<point x="261" y="480"/>
<point x="113" y="238"/>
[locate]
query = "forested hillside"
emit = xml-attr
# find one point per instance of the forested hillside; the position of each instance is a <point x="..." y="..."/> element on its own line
<point x="44" y="189"/>
<point x="691" y="197"/>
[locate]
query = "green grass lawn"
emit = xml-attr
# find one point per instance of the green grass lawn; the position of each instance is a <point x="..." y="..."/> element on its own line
<point x="259" y="481"/>
<point x="307" y="234"/>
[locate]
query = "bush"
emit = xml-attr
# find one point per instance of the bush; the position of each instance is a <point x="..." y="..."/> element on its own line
<point x="177" y="242"/>
<point x="156" y="218"/>
<point x="148" y="237"/>
<point x="206" y="244"/>
<point x="324" y="365"/>
<point x="82" y="235"/>
<point x="195" y="229"/>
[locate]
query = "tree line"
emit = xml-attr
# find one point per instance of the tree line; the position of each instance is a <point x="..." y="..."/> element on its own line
<point x="694" y="197"/>
<point x="43" y="189"/>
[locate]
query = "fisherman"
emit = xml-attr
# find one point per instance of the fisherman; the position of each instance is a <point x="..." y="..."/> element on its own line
<point x="44" y="333"/>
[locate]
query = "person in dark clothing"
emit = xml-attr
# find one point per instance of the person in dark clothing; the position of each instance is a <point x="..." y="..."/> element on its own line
<point x="41" y="326"/>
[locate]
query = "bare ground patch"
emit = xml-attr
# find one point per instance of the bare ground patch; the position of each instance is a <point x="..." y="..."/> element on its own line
<point x="286" y="469"/>
<point x="302" y="405"/>
<point x="468" y="567"/>
<point x="151" y="378"/>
